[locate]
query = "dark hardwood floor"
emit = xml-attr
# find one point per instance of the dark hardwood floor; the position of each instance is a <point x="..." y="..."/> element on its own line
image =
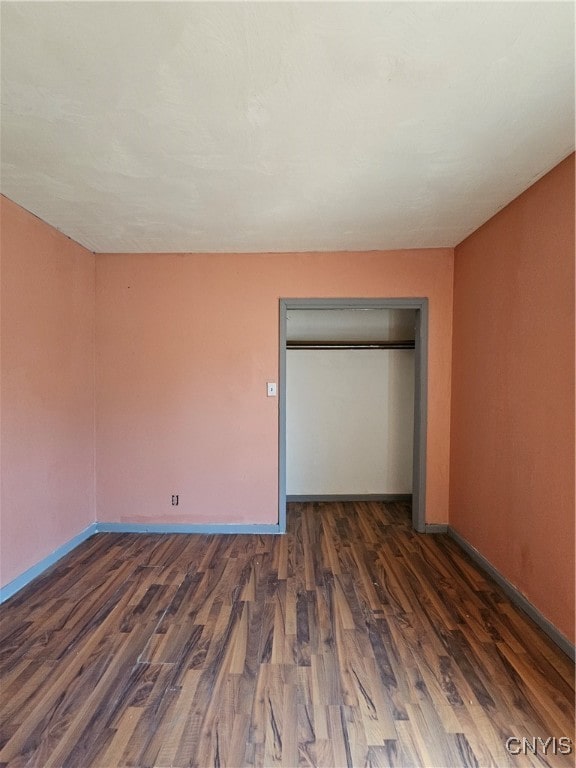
<point x="350" y="641"/>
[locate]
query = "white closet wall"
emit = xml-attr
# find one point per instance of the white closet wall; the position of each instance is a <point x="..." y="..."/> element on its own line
<point x="350" y="413"/>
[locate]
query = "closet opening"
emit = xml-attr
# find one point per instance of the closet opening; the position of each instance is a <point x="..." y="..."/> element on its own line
<point x="352" y="401"/>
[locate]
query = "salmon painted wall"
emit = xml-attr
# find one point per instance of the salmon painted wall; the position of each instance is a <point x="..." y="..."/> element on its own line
<point x="512" y="435"/>
<point x="47" y="385"/>
<point x="186" y="344"/>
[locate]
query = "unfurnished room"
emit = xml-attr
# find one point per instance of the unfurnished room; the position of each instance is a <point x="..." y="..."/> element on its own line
<point x="287" y="384"/>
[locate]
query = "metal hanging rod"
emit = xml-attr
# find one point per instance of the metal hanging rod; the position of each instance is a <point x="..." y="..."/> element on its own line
<point x="294" y="344"/>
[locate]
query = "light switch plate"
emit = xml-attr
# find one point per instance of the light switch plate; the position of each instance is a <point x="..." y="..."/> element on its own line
<point x="271" y="388"/>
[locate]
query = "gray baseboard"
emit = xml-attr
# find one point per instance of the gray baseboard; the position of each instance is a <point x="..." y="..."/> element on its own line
<point x="519" y="600"/>
<point x="349" y="497"/>
<point x="36" y="570"/>
<point x="436" y="528"/>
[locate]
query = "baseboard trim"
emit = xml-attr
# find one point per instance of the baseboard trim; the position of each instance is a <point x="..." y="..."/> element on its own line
<point x="185" y="528"/>
<point x="328" y="497"/>
<point x="36" y="570"/>
<point x="519" y="600"/>
<point x="436" y="528"/>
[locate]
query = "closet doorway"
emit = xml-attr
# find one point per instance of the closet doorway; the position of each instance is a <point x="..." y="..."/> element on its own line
<point x="352" y="400"/>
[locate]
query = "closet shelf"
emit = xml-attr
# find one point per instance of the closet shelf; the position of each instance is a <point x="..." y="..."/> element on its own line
<point x="295" y="344"/>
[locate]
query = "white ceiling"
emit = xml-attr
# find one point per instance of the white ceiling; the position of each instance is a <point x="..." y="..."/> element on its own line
<point x="265" y="126"/>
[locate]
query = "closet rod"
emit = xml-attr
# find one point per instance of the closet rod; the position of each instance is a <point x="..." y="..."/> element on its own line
<point x="293" y="344"/>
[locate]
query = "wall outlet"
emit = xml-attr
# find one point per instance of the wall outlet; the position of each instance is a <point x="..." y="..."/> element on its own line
<point x="174" y="500"/>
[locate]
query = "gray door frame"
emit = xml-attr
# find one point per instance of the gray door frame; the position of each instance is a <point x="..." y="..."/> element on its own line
<point x="420" y="304"/>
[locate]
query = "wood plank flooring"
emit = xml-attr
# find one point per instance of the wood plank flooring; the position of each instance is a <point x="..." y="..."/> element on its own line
<point x="350" y="641"/>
